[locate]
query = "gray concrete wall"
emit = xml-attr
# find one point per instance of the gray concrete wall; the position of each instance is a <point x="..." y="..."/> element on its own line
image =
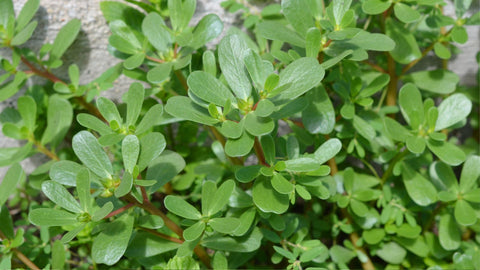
<point x="89" y="51"/>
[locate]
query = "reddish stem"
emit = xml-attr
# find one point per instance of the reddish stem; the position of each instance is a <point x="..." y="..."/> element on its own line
<point x="119" y="210"/>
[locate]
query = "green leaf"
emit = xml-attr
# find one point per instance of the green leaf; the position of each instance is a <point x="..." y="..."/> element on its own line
<point x="193" y="232"/>
<point x="242" y="244"/>
<point x="27" y="107"/>
<point x="113" y="11"/>
<point x="221" y="197"/>
<point x="411" y="105"/>
<point x="319" y="116"/>
<point x="209" y="88"/>
<point x="373" y="236"/>
<point x="302" y="164"/>
<point x="297" y="78"/>
<point x="6" y="222"/>
<point x="376" y="85"/>
<point x="258" y="126"/>
<point x="231" y="129"/>
<point x="313" y="42"/>
<point x="257" y="68"/>
<point x="110" y="245"/>
<point x="130" y="151"/>
<point x="6" y="10"/>
<point x="65" y="172"/>
<point x="24" y="35"/>
<point x="26" y="14"/>
<point x="160" y="73"/>
<point x="246" y="174"/>
<point x="60" y="196"/>
<point x="328" y="150"/>
<point x="151" y="146"/>
<point x="219" y="261"/>
<point x="438" y="81"/>
<point x="395" y="130"/>
<point x="231" y="52"/>
<point x="6" y="260"/>
<point x="51" y="217"/>
<point x="208" y="28"/>
<point x="164" y="168"/>
<point x="267" y="199"/>
<point x="65" y="37"/>
<point x="154" y="29"/>
<point x="282" y="185"/>
<point x="405" y="13"/>
<point x="58" y="255"/>
<point x="92" y="122"/>
<point x="442" y="51"/>
<point x="59" y="120"/>
<point x="340" y="254"/>
<point x="180" y="207"/>
<point x="470" y="174"/>
<point x="359" y="208"/>
<point x="125" y="185"/>
<point x="268" y="147"/>
<point x="209" y="63"/>
<point x="181" y="11"/>
<point x="416" y="144"/>
<point x="363" y="128"/>
<point x="226" y="225"/>
<point x="459" y="34"/>
<point x="406" y="49"/>
<point x="150" y="119"/>
<point x="109" y="110"/>
<point x="408" y="231"/>
<point x="374" y="7"/>
<point x="134" y="100"/>
<point x="392" y="253"/>
<point x="446" y="152"/>
<point x="465" y="213"/>
<point x="102" y="212"/>
<point x="297" y="13"/>
<point x="83" y="190"/>
<point x="8" y="185"/>
<point x="443" y="177"/>
<point x="418" y="188"/>
<point x="452" y="110"/>
<point x="285" y="253"/>
<point x="372" y="41"/>
<point x="89" y="151"/>
<point x="276" y="31"/>
<point x="150" y="222"/>
<point x="145" y="244"/>
<point x="448" y="233"/>
<point x="239" y="147"/>
<point x="183" y="107"/>
<point x="417" y="245"/>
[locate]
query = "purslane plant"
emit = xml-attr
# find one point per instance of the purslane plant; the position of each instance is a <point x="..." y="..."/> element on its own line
<point x="307" y="141"/>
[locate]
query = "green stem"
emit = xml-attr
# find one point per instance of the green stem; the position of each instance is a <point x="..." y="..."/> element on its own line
<point x="391" y="165"/>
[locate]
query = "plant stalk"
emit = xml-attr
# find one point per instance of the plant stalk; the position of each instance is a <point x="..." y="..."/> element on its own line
<point x="21" y="256"/>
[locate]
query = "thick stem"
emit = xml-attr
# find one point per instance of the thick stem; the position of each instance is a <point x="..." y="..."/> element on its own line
<point x="392" y="85"/>
<point x="119" y="210"/>
<point x="259" y="152"/>
<point x="161" y="235"/>
<point x="45" y="151"/>
<point x="375" y="66"/>
<point x="182" y="79"/>
<point x="21" y="256"/>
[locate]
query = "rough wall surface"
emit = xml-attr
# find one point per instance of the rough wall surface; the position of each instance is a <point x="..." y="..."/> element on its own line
<point x="90" y="53"/>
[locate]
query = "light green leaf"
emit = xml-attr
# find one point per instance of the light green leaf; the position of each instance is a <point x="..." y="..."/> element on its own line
<point x="134" y="100"/>
<point x="231" y="52"/>
<point x="241" y="146"/>
<point x="395" y="130"/>
<point x="183" y="107"/>
<point x="27" y="107"/>
<point x="448" y="232"/>
<point x="194" y="231"/>
<point x="150" y="222"/>
<point x="60" y="196"/>
<point x="109" y="110"/>
<point x="282" y="185"/>
<point x="298" y="14"/>
<point x="363" y="128"/>
<point x="209" y="88"/>
<point x="145" y="244"/>
<point x="443" y="177"/>
<point x="392" y="253"/>
<point x="209" y="63"/>
<point x="180" y="207"/>
<point x="6" y="10"/>
<point x="373" y="236"/>
<point x="328" y="150"/>
<point x="406" y="49"/>
<point x="258" y="126"/>
<point x="130" y="151"/>
<point x="470" y="174"/>
<point x="374" y="7"/>
<point x="234" y="244"/>
<point x="151" y="146"/>
<point x="92" y="122"/>
<point x="267" y="199"/>
<point x="411" y="105"/>
<point x="447" y="152"/>
<point x="442" y="51"/>
<point x="452" y="110"/>
<point x="89" y="151"/>
<point x="24" y="35"/>
<point x="159" y="73"/>
<point x="26" y="14"/>
<point x="459" y="34"/>
<point x="58" y="255"/>
<point x="319" y="116"/>
<point x="65" y="172"/>
<point x="405" y="13"/>
<point x="302" y="164"/>
<point x="297" y="78"/>
<point x="110" y="245"/>
<point x="257" y="68"/>
<point x="125" y="185"/>
<point x="154" y="29"/>
<point x="208" y="28"/>
<point x="150" y="119"/>
<point x="465" y="213"/>
<point x="164" y="168"/>
<point x="268" y="147"/>
<point x="219" y="261"/>
<point x="83" y="190"/>
<point x="276" y="31"/>
<point x="416" y="144"/>
<point x="59" y="120"/>
<point x="438" y="81"/>
<point x="246" y="174"/>
<point x="181" y="11"/>
<point x="341" y="255"/>
<point x="418" y="188"/>
<point x="102" y="212"/>
<point x="65" y="37"/>
<point x="51" y="217"/>
<point x="9" y="183"/>
<point x="313" y="42"/>
<point x="221" y="197"/>
<point x="226" y="225"/>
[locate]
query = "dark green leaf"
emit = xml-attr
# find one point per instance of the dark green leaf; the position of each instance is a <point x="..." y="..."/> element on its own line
<point x="226" y="225"/>
<point x="159" y="73"/>
<point x="26" y="14"/>
<point x="59" y="119"/>
<point x="151" y="146"/>
<point x="239" y="147"/>
<point x="258" y="126"/>
<point x="180" y="207"/>
<point x="375" y="6"/>
<point x="243" y="244"/>
<point x="24" y="35"/>
<point x="181" y="11"/>
<point x="392" y="253"/>
<point x="208" y="28"/>
<point x="411" y="105"/>
<point x="130" y="151"/>
<point x="418" y="188"/>
<point x="465" y="213"/>
<point x="164" y="168"/>
<point x="276" y="31"/>
<point x="470" y="174"/>
<point x="405" y="13"/>
<point x="150" y="119"/>
<point x="319" y="116"/>
<point x="183" y="107"/>
<point x="153" y="27"/>
<point x="247" y="173"/>
<point x="406" y="49"/>
<point x="65" y="172"/>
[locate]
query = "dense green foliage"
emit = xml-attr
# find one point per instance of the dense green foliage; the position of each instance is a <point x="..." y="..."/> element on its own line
<point x="306" y="141"/>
